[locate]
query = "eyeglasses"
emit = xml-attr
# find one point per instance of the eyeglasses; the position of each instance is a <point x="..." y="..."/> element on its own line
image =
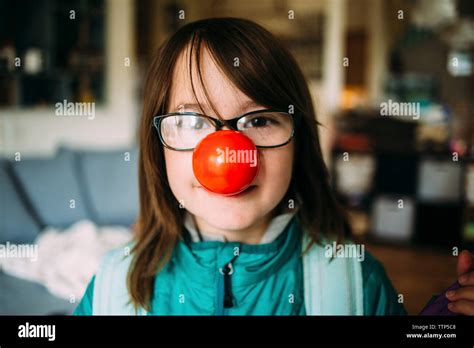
<point x="267" y="128"/>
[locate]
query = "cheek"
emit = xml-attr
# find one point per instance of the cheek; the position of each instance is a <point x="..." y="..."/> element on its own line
<point x="180" y="172"/>
<point x="276" y="169"/>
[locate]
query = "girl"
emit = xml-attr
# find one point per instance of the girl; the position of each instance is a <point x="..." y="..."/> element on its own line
<point x="261" y="251"/>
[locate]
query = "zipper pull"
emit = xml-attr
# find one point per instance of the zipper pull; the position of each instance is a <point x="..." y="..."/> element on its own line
<point x="227" y="271"/>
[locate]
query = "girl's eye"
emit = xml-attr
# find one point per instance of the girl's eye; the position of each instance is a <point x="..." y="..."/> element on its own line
<point x="199" y="123"/>
<point x="259" y="122"/>
<point x="191" y="122"/>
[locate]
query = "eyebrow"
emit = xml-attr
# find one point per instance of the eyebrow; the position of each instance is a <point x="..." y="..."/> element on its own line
<point x="248" y="104"/>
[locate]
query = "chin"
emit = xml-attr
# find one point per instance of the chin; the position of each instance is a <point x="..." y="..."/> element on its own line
<point x="231" y="213"/>
<point x="230" y="219"/>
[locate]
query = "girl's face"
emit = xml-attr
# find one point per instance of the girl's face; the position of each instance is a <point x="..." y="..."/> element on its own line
<point x="214" y="212"/>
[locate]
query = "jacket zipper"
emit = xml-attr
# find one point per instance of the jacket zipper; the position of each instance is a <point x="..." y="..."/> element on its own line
<point x="227" y="272"/>
<point x="225" y="297"/>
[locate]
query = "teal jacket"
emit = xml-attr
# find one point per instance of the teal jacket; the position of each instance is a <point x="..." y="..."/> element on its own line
<point x="265" y="279"/>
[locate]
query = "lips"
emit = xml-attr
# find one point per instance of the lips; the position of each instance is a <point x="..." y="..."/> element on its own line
<point x="248" y="190"/>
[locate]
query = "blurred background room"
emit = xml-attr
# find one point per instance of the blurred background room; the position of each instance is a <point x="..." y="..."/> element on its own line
<point x="393" y="85"/>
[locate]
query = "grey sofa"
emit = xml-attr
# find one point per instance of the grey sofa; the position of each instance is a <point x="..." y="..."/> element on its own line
<point x="57" y="191"/>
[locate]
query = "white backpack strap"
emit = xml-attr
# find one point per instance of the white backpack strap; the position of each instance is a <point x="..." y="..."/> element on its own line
<point x="332" y="286"/>
<point x="111" y="295"/>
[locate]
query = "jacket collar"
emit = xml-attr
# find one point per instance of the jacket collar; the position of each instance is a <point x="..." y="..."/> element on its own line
<point x="203" y="259"/>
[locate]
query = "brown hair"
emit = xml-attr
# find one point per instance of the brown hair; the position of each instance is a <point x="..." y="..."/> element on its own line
<point x="270" y="76"/>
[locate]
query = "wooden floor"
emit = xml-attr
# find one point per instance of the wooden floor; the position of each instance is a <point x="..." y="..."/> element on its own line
<point x="418" y="274"/>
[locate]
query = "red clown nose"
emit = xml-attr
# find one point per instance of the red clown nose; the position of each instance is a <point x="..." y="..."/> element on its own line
<point x="225" y="162"/>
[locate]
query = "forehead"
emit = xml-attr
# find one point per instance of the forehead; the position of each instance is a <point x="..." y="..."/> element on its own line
<point x="222" y="93"/>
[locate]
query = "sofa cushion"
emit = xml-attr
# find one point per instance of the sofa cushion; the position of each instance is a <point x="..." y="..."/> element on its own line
<point x="17" y="224"/>
<point x="110" y="182"/>
<point x="23" y="297"/>
<point x="52" y="187"/>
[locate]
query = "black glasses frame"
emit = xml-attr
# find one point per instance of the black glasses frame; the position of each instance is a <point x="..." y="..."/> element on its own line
<point x="219" y="124"/>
